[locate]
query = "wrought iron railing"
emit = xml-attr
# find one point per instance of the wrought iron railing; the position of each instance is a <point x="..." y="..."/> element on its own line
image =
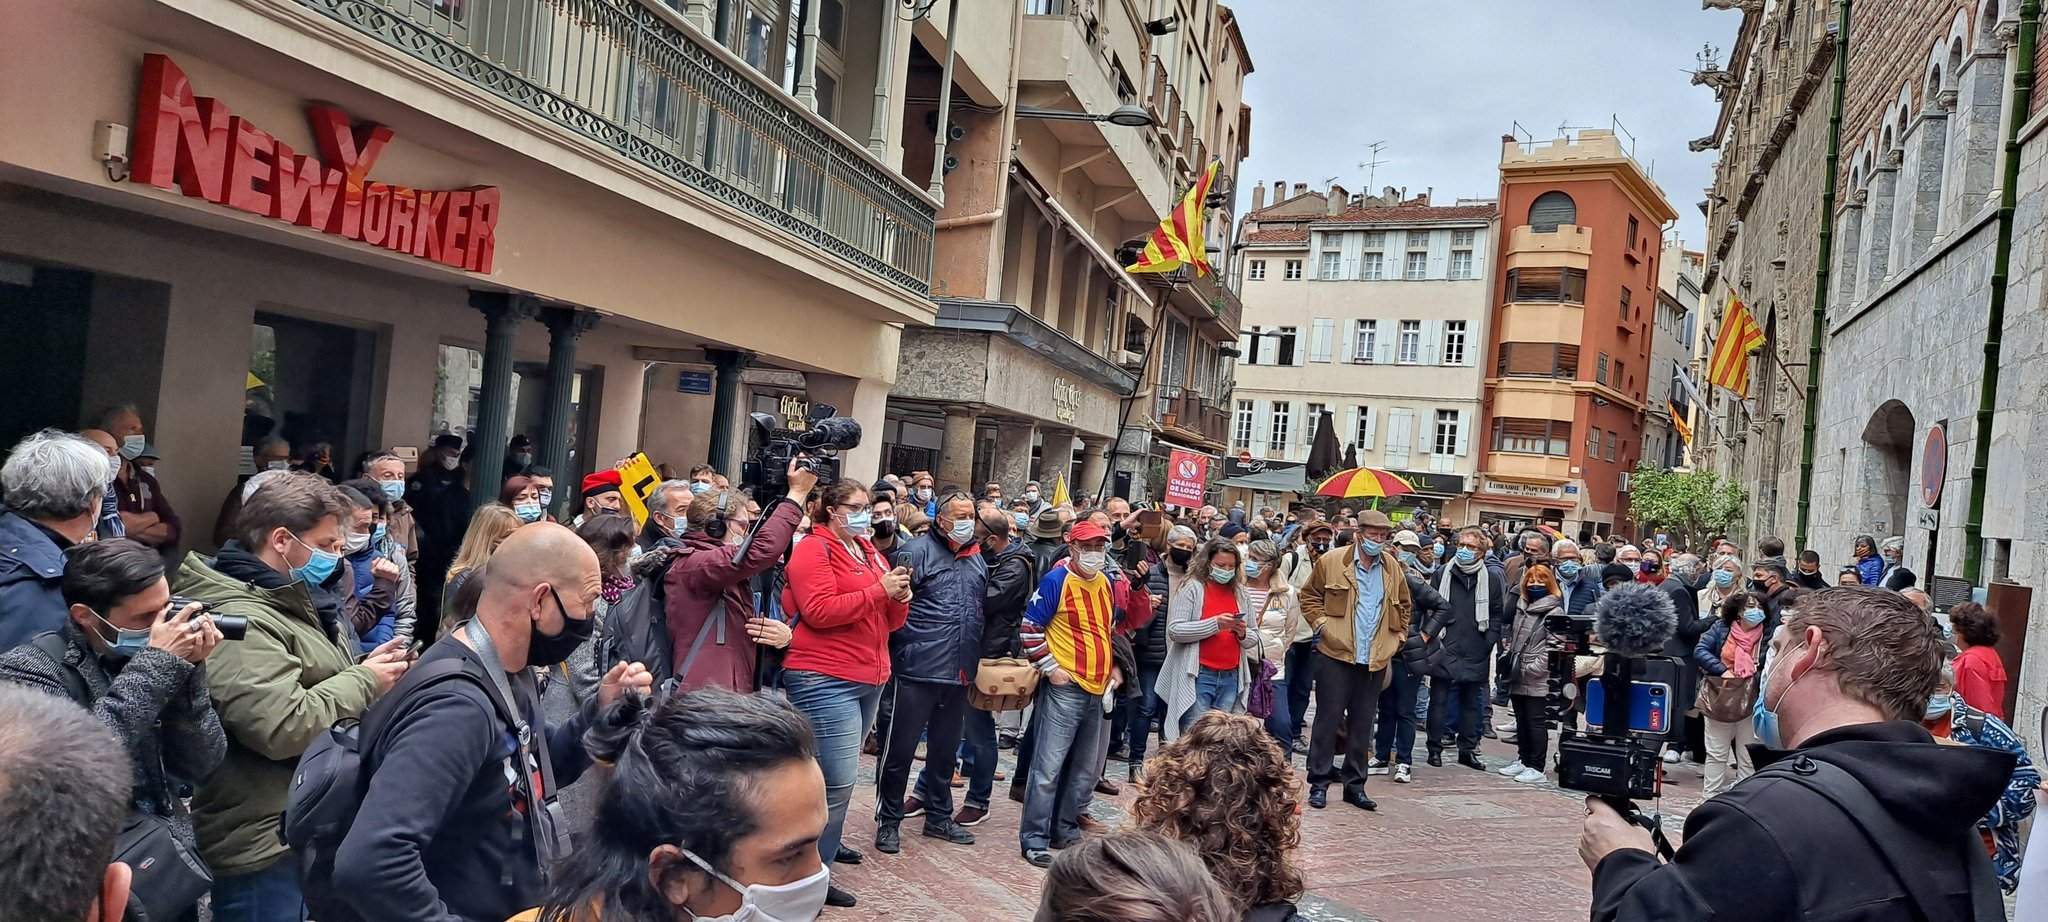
<point x="621" y="74"/>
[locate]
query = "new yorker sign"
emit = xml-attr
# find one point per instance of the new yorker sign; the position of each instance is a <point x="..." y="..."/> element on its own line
<point x="194" y="144"/>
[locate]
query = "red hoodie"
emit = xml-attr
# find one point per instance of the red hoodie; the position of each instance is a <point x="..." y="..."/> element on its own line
<point x="843" y="616"/>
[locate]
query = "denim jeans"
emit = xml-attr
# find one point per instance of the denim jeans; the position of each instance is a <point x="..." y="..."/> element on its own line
<point x="1143" y="711"/>
<point x="840" y="713"/>
<point x="977" y="759"/>
<point x="1215" y="690"/>
<point x="1065" y="730"/>
<point x="269" y="895"/>
<point x="1395" y="739"/>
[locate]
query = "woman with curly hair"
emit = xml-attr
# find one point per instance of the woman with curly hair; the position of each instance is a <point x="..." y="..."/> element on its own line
<point x="1224" y="788"/>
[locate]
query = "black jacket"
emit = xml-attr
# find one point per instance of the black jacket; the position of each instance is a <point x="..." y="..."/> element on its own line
<point x="1010" y="583"/>
<point x="1460" y="651"/>
<point x="1773" y="849"/>
<point x="1148" y="643"/>
<point x="941" y="641"/>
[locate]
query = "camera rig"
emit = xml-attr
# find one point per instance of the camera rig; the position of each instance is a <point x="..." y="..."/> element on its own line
<point x="1616" y="760"/>
<point x="815" y="447"/>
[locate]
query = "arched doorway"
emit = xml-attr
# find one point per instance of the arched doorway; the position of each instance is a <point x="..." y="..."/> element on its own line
<point x="1886" y="469"/>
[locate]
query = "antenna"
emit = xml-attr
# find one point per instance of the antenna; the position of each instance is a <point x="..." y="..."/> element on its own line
<point x="1371" y="167"/>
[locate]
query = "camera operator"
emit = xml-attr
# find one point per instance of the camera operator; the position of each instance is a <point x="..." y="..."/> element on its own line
<point x="1863" y="816"/>
<point x="713" y="627"/>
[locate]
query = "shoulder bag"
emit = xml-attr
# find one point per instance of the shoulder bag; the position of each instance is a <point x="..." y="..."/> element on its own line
<point x="1726" y="698"/>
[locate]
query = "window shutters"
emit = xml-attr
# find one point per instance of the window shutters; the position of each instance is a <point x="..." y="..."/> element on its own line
<point x="1432" y="341"/>
<point x="1350" y="434"/>
<point x="1321" y="330"/>
<point x="1350" y="340"/>
<point x="1464" y="432"/>
<point x="1262" y="425"/>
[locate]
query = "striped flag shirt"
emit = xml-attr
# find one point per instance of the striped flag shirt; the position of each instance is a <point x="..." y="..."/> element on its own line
<point x="1068" y="624"/>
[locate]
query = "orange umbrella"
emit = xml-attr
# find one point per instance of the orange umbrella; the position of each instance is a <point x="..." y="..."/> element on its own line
<point x="1361" y="482"/>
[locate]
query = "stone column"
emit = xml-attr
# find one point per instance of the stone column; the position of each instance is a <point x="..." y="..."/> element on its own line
<point x="565" y="325"/>
<point x="1013" y="456"/>
<point x="956" y="450"/>
<point x="727" y="413"/>
<point x="1884" y="186"/>
<point x="885" y="75"/>
<point x="807" y="57"/>
<point x="1924" y="219"/>
<point x="1056" y="459"/>
<point x="1094" y="466"/>
<point x="502" y="312"/>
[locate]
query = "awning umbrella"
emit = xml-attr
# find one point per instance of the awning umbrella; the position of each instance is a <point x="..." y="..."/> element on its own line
<point x="1323" y="453"/>
<point x="1361" y="482"/>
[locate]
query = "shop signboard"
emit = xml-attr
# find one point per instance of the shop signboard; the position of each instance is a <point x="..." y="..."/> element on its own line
<point x="1521" y="490"/>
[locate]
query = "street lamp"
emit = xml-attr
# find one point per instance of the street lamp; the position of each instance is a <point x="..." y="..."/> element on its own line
<point x="1125" y="116"/>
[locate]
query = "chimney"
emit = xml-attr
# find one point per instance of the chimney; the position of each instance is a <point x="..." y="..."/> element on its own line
<point x="1334" y="202"/>
<point x="1301" y="188"/>
<point x="1339" y="193"/>
<point x="1258" y="197"/>
<point x="1279" y="191"/>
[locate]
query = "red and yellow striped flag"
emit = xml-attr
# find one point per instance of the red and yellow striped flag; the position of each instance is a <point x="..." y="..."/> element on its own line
<point x="1178" y="240"/>
<point x="1678" y="422"/>
<point x="1740" y="336"/>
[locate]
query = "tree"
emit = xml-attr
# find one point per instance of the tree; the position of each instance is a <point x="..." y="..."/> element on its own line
<point x="1692" y="505"/>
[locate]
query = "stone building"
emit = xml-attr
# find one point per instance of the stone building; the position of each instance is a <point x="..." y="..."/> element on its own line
<point x="1677" y="328"/>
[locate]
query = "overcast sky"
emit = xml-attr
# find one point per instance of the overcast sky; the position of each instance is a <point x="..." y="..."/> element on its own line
<point x="1441" y="81"/>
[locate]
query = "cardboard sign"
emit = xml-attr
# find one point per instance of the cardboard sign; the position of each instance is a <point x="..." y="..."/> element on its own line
<point x="637" y="482"/>
<point x="1187" y="477"/>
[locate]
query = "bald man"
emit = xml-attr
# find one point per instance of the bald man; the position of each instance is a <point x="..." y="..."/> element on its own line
<point x="110" y="524"/>
<point x="442" y="762"/>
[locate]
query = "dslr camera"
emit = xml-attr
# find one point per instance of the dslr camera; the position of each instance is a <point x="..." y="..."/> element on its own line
<point x="1629" y="709"/>
<point x="815" y="447"/>
<point x="231" y="627"/>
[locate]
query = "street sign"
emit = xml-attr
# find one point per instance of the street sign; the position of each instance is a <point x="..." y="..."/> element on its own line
<point x="693" y="382"/>
<point x="1929" y="519"/>
<point x="1244" y="457"/>
<point x="1934" y="465"/>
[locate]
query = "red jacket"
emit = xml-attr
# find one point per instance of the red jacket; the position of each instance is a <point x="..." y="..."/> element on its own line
<point x="710" y="571"/>
<point x="843" y="616"/>
<point x="1980" y="679"/>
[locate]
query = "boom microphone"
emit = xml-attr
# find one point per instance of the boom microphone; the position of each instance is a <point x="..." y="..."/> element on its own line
<point x="1635" y="619"/>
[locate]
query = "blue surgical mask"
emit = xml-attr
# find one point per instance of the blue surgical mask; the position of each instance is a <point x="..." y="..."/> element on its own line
<point x="859" y="524"/>
<point x="547" y="498"/>
<point x="1939" y="707"/>
<point x="394" y="490"/>
<point x="317" y="567"/>
<point x="1762" y="718"/>
<point x="962" y="531"/>
<point x="1408" y="558"/>
<point x="698" y="486"/>
<point x="1023" y="520"/>
<point x="1466" y="555"/>
<point x="126" y="643"/>
<point x="1222" y="574"/>
<point x="1753" y="616"/>
<point x="1251" y="569"/>
<point x="1568" y="570"/>
<point x="1724" y="578"/>
<point x="1437" y="549"/>
<point x="1370" y="548"/>
<point x="527" y="512"/>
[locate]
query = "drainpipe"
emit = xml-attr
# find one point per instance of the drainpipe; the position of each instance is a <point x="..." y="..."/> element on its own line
<point x="2022" y="103"/>
<point x="938" y="184"/>
<point x="1822" y="272"/>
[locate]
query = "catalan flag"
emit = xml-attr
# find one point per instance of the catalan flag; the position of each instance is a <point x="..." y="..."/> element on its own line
<point x="1178" y="240"/>
<point x="1678" y="422"/>
<point x="1740" y="336"/>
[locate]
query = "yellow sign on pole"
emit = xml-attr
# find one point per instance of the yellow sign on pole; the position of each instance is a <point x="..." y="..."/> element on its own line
<point x="637" y="482"/>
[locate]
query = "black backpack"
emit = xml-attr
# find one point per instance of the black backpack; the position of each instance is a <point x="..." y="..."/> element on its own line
<point x="635" y="629"/>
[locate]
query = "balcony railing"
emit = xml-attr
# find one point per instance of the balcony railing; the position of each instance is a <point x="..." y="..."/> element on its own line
<point x="1155" y="101"/>
<point x="622" y="75"/>
<point x="1181" y="408"/>
<point x="1225" y="308"/>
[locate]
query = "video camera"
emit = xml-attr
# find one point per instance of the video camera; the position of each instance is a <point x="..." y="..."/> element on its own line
<point x="815" y="447"/>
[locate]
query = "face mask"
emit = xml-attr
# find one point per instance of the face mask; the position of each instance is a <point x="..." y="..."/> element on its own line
<point x="318" y="567"/>
<point x="113" y="467"/>
<point x="1756" y="585"/>
<point x="859" y="524"/>
<point x="1753" y="616"/>
<point x="523" y="458"/>
<point x="799" y="901"/>
<point x="1222" y="575"/>
<point x="885" y="527"/>
<point x="527" y="512"/>
<point x="1180" y="556"/>
<point x="1568" y="570"/>
<point x="149" y="469"/>
<point x="1891" y="558"/>
<point x="355" y="543"/>
<point x="1408" y="558"/>
<point x="1251" y="569"/>
<point x="448" y="463"/>
<point x="1092" y="562"/>
<point x="1370" y="548"/>
<point x="547" y="498"/>
<point x="1939" y="707"/>
<point x="924" y="494"/>
<point x="1537" y="591"/>
<point x="126" y="643"/>
<point x="377" y="535"/>
<point x="962" y="531"/>
<point x="132" y="447"/>
<point x="1321" y="546"/>
<point x="698" y="486"/>
<point x="1724" y="578"/>
<point x="1023" y="520"/>
<point x="1762" y="717"/>
<point x="1648" y="567"/>
<point x="1437" y="549"/>
<point x="550" y="649"/>
<point x="394" y="490"/>
<point x="1031" y="495"/>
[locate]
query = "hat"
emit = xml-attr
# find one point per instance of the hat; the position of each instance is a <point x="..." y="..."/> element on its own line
<point x="1406" y="538"/>
<point x="448" y="440"/>
<point x="1231" y="531"/>
<point x="1047" y="524"/>
<point x="601" y="482"/>
<point x="883" y="486"/>
<point x="149" y="451"/>
<point x="520" y="441"/>
<point x="1084" y="530"/>
<point x="1373" y="518"/>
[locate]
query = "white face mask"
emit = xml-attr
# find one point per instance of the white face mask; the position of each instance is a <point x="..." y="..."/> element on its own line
<point x="113" y="466"/>
<point x="450" y="462"/>
<point x="132" y="446"/>
<point x="799" y="901"/>
<point x="1092" y="561"/>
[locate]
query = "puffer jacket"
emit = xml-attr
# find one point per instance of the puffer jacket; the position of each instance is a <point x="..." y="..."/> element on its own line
<point x="1467" y="650"/>
<point x="276" y="690"/>
<point x="1529" y="648"/>
<point x="1010" y="584"/>
<point x="1149" y="642"/>
<point x="941" y="640"/>
<point x="31" y="582"/>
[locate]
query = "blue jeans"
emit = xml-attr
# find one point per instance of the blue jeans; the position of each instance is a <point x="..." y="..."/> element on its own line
<point x="1396" y="734"/>
<point x="977" y="759"/>
<point x="1215" y="690"/>
<point x="1066" y="726"/>
<point x="1143" y="712"/>
<point x="269" y="895"/>
<point x="840" y="713"/>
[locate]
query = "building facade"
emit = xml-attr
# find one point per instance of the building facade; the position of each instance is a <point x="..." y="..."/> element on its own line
<point x="1372" y="309"/>
<point x="1046" y="357"/>
<point x="1670" y="410"/>
<point x="1572" y="333"/>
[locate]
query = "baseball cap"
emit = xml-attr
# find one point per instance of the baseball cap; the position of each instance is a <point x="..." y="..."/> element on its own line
<point x="1406" y="538"/>
<point x="1085" y="530"/>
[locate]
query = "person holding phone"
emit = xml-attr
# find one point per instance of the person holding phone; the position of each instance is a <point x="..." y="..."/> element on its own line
<point x="1209" y="640"/>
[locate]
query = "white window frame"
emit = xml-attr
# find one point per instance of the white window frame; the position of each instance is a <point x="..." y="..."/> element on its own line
<point x="1282" y="418"/>
<point x="1257" y="272"/>
<point x="1374" y="266"/>
<point x="1292" y="270"/>
<point x="1418" y="240"/>
<point x="1331" y="265"/>
<point x="1455" y="351"/>
<point x="1375" y="240"/>
<point x="1461" y="264"/>
<point x="1416" y="267"/>
<point x="1242" y="428"/>
<point x="1310" y="418"/>
<point x="1445" y="440"/>
<point x="1366" y="342"/>
<point x="1408" y="343"/>
<point x="1465" y="238"/>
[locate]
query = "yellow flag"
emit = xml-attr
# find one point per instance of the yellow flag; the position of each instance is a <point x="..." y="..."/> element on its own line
<point x="1059" y="492"/>
<point x="637" y="482"/>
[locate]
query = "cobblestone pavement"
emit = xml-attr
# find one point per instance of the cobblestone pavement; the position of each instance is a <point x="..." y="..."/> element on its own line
<point x="1454" y="846"/>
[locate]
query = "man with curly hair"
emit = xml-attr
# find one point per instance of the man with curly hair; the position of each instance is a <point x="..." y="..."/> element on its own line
<point x="1224" y="788"/>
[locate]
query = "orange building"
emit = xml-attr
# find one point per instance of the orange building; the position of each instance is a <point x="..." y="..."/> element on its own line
<point x="1574" y="320"/>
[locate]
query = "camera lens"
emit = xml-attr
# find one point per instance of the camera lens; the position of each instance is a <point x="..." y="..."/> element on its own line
<point x="231" y="627"/>
<point x="838" y="433"/>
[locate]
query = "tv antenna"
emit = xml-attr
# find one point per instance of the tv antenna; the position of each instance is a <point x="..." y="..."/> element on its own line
<point x="1371" y="167"/>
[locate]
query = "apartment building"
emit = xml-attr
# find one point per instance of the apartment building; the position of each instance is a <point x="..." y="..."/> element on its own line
<point x="1670" y="411"/>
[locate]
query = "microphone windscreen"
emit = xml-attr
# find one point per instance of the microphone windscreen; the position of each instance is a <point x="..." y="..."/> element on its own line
<point x="1635" y="619"/>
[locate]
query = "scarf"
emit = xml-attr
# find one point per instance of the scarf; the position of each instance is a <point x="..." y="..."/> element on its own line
<point x="1482" y="593"/>
<point x="614" y="588"/>
<point x="1739" y="652"/>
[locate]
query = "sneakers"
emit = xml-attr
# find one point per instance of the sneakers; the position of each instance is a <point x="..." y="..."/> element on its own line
<point x="1402" y="775"/>
<point x="1377" y="767"/>
<point x="1504" y="728"/>
<point x="888" y="840"/>
<point x="1038" y="857"/>
<point x="1514" y="768"/>
<point x="1529" y="776"/>
<point x="912" y="806"/>
<point x="971" y="816"/>
<point x="939" y="827"/>
<point x="1671" y="757"/>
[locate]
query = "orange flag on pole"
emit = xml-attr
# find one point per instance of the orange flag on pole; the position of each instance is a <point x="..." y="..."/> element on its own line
<point x="1740" y="336"/>
<point x="1178" y="240"/>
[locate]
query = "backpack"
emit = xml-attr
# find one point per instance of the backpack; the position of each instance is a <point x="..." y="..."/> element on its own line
<point x="333" y="776"/>
<point x="635" y="629"/>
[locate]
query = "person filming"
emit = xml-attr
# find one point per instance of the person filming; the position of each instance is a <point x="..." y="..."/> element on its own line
<point x="1855" y="810"/>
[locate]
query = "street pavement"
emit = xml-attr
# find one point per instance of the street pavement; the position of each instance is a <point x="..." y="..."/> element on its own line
<point x="1457" y="845"/>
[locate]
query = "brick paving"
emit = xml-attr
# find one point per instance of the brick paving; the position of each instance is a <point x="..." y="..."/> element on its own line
<point x="1458" y="845"/>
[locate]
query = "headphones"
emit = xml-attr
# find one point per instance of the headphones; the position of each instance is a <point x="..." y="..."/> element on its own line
<point x="714" y="527"/>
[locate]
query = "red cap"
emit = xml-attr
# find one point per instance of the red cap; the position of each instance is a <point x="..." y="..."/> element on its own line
<point x="1085" y="530"/>
<point x="601" y="482"/>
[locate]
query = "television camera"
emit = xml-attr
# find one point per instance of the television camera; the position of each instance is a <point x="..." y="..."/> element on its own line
<point x="815" y="447"/>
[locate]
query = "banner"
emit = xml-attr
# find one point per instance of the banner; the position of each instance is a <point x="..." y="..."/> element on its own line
<point x="1187" y="478"/>
<point x="637" y="482"/>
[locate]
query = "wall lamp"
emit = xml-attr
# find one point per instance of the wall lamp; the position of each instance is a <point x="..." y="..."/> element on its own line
<point x="1126" y="116"/>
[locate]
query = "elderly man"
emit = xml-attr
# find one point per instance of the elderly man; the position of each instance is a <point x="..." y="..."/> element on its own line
<point x="110" y="524"/>
<point x="52" y="484"/>
<point x="146" y="515"/>
<point x="387" y="470"/>
<point x="67" y="786"/>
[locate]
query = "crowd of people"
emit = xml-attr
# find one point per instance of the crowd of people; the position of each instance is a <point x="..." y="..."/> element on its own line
<point x="340" y="708"/>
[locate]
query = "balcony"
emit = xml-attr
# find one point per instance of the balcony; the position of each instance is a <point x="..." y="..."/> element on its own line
<point x="1182" y="412"/>
<point x="1225" y="310"/>
<point x="624" y="75"/>
<point x="1169" y="120"/>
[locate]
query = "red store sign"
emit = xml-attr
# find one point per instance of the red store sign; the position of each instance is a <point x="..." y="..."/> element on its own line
<point x="196" y="144"/>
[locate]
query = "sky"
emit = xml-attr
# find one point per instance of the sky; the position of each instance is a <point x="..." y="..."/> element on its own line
<point x="1441" y="80"/>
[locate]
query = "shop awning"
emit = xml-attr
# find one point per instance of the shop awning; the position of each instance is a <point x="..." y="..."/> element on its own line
<point x="1287" y="481"/>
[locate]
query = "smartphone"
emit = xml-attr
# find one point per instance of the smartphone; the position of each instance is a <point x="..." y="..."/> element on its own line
<point x="417" y="647"/>
<point x="1649" y="706"/>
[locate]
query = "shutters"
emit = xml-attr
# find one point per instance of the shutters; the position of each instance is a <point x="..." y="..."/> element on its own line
<point x="1350" y="340"/>
<point x="1550" y="210"/>
<point x="1262" y="424"/>
<point x="1371" y="423"/>
<point x="1464" y="432"/>
<point x="1400" y="436"/>
<point x="1350" y="434"/>
<point x="1432" y="341"/>
<point x="1321" y="331"/>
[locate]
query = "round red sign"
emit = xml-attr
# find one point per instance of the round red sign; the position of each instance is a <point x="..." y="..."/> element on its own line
<point x="1933" y="466"/>
<point x="1244" y="457"/>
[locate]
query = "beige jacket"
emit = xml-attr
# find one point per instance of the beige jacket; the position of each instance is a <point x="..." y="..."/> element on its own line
<point x="1329" y="601"/>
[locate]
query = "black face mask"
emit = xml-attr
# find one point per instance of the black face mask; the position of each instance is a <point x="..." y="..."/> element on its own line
<point x="885" y="530"/>
<point x="1322" y="547"/>
<point x="1181" y="556"/>
<point x="548" y="650"/>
